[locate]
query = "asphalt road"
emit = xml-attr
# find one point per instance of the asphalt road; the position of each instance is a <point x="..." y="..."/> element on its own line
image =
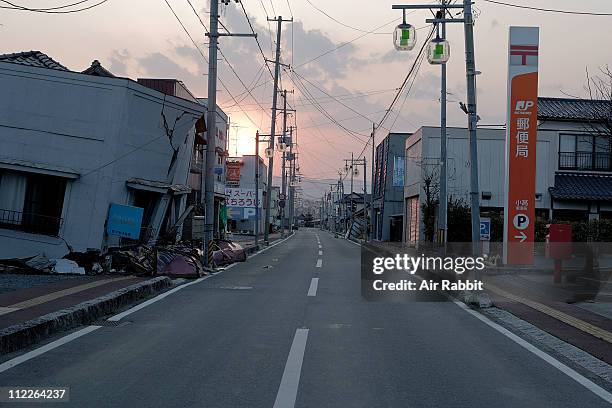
<point x="264" y="334"/>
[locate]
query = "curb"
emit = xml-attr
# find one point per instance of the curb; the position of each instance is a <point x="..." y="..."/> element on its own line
<point x="25" y="334"/>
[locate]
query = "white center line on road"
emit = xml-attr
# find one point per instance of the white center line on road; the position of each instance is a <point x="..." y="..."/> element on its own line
<point x="314" y="284"/>
<point x="320" y="246"/>
<point x="47" y="347"/>
<point x="287" y="391"/>
<point x="319" y="263"/>
<point x="320" y="253"/>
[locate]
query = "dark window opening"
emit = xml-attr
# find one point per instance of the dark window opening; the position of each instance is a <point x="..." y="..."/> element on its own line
<point x="31" y="202"/>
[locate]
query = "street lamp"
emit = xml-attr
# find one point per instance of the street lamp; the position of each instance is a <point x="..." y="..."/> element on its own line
<point x="438" y="51"/>
<point x="404" y="36"/>
<point x="269" y="152"/>
<point x="282" y="147"/>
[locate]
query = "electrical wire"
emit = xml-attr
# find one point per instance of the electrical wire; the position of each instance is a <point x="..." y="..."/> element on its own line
<point x="580" y="13"/>
<point x="231" y="67"/>
<point x="336" y="20"/>
<point x="206" y="60"/>
<point x="51" y="10"/>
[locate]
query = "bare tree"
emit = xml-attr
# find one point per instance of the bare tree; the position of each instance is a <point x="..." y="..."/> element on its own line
<point x="430" y="174"/>
<point x="599" y="114"/>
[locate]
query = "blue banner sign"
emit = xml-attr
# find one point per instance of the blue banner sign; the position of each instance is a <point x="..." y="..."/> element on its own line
<point x="124" y="221"/>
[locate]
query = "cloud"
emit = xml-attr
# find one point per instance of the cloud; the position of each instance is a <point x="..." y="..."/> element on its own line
<point x="118" y="62"/>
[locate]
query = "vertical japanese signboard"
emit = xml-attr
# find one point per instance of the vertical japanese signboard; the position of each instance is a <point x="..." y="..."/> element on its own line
<point x="398" y="171"/>
<point x="232" y="177"/>
<point x="521" y="134"/>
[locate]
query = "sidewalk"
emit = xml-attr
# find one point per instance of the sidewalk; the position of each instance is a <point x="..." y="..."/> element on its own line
<point x="561" y="310"/>
<point x="36" y="308"/>
<point x="535" y="299"/>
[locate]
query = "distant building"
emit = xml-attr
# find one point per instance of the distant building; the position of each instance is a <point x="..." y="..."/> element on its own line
<point x="240" y="193"/>
<point x="573" y="170"/>
<point x="389" y="187"/>
<point x="75" y="143"/>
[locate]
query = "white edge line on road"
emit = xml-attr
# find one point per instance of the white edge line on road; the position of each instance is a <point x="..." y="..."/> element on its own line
<point x="288" y="388"/>
<point x="47" y="347"/>
<point x="319" y="263"/>
<point x="73" y="336"/>
<point x="314" y="284"/>
<point x="159" y="297"/>
<point x="574" y="375"/>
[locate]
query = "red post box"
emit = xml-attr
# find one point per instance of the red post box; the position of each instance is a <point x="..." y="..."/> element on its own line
<point x="559" y="246"/>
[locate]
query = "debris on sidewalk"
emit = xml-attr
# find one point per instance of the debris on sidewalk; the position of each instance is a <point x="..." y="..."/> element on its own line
<point x="67" y="266"/>
<point x="40" y="262"/>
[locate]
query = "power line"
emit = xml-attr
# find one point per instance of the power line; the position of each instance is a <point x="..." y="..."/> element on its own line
<point x="206" y="60"/>
<point x="52" y="10"/>
<point x="336" y="20"/>
<point x="330" y="96"/>
<point x="344" y="44"/>
<point x="231" y="67"/>
<point x="580" y="13"/>
<point x="408" y="75"/>
<point x="44" y="9"/>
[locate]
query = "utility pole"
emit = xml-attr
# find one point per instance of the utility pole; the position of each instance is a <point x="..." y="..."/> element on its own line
<point x="209" y="196"/>
<point x="373" y="164"/>
<point x="211" y="142"/>
<point x="443" y="201"/>
<point x="352" y="206"/>
<point x="470" y="109"/>
<point x="470" y="73"/>
<point x="277" y="65"/>
<point x="365" y="194"/>
<point x="257" y="215"/>
<point x="291" y="179"/>
<point x="283" y="198"/>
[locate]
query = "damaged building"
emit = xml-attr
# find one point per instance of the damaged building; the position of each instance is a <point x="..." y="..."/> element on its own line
<point x="76" y="145"/>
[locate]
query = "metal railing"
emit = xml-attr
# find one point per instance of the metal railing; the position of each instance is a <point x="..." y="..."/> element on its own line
<point x="585" y="161"/>
<point x="30" y="222"/>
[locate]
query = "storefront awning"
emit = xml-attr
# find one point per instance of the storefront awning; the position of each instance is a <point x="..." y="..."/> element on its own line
<point x="39" y="168"/>
<point x="157" y="186"/>
<point x="587" y="187"/>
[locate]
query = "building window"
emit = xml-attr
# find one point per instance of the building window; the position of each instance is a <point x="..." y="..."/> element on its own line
<point x="584" y="152"/>
<point x="31" y="202"/>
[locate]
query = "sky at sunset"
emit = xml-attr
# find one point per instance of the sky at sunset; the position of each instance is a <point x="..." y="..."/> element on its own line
<point x="142" y="38"/>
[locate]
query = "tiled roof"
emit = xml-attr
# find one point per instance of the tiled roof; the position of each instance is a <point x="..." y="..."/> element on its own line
<point x="567" y="109"/>
<point x="591" y="187"/>
<point x="96" y="69"/>
<point x="33" y="59"/>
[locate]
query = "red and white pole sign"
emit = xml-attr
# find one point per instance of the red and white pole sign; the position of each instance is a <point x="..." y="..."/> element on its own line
<point x="521" y="134"/>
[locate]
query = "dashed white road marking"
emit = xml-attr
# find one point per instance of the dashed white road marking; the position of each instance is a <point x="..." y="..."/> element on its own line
<point x="314" y="284"/>
<point x="320" y="253"/>
<point x="319" y="263"/>
<point x="287" y="391"/>
<point x="320" y="246"/>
